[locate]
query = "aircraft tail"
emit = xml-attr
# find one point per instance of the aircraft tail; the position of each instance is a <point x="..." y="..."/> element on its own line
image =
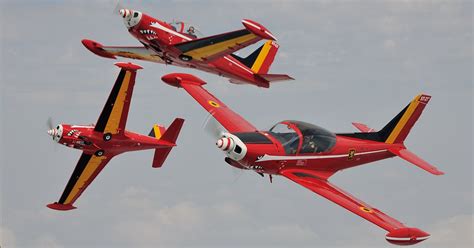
<point x="157" y="131"/>
<point x="396" y="131"/>
<point x="261" y="59"/>
<point x="398" y="128"/>
<point x="169" y="137"/>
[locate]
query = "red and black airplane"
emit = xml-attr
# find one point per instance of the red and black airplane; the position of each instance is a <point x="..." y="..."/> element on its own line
<point x="108" y="138"/>
<point x="177" y="44"/>
<point x="309" y="155"/>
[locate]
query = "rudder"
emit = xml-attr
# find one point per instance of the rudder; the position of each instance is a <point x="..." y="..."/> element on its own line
<point x="261" y="59"/>
<point x="398" y="128"/>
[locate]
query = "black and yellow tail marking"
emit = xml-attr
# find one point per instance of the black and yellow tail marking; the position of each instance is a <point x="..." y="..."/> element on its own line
<point x="398" y="128"/>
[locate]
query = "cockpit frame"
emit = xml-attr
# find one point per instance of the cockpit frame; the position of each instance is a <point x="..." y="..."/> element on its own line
<point x="302" y="138"/>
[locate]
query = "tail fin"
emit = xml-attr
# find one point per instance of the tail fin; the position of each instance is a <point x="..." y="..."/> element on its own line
<point x="169" y="137"/>
<point x="261" y="59"/>
<point x="157" y="131"/>
<point x="398" y="128"/>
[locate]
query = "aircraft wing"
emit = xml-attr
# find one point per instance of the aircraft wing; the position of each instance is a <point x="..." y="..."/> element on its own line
<point x="230" y="120"/>
<point x="87" y="168"/>
<point x="140" y="53"/>
<point x="210" y="48"/>
<point x="114" y="115"/>
<point x="314" y="182"/>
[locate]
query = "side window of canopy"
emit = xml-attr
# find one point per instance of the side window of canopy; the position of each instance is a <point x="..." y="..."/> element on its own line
<point x="315" y="139"/>
<point x="287" y="136"/>
<point x="185" y="28"/>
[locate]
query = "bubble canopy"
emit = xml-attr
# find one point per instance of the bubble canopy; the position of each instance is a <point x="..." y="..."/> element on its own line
<point x="299" y="137"/>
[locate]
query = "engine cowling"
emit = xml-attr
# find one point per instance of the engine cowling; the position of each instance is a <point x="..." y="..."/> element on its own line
<point x="56" y="133"/>
<point x="232" y="146"/>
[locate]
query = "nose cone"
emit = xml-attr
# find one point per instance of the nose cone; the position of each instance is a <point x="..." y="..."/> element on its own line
<point x="225" y="143"/>
<point x="131" y="18"/>
<point x="51" y="132"/>
<point x="124" y="13"/>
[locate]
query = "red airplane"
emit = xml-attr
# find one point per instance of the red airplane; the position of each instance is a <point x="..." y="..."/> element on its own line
<point x="108" y="138"/>
<point x="309" y="155"/>
<point x="177" y="44"/>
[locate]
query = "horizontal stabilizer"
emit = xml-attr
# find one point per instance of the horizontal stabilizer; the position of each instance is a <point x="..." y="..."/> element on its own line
<point x="160" y="156"/>
<point x="169" y="136"/>
<point x="362" y="127"/>
<point x="412" y="158"/>
<point x="275" y="77"/>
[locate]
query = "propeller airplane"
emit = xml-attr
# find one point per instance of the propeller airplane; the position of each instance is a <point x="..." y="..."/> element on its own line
<point x="309" y="155"/>
<point x="108" y="138"/>
<point x="176" y="43"/>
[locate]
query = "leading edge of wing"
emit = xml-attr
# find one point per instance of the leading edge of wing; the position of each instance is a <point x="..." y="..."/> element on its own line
<point x="87" y="168"/>
<point x="230" y="120"/>
<point x="398" y="233"/>
<point x="131" y="52"/>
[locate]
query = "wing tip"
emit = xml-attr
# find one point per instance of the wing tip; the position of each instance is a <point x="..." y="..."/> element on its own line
<point x="128" y="66"/>
<point x="406" y="236"/>
<point x="97" y="48"/>
<point x="177" y="79"/>
<point x="258" y="29"/>
<point x="61" y="207"/>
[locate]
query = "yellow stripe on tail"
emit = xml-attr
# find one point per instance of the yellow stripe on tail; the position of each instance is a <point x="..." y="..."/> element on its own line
<point x="157" y="131"/>
<point x="398" y="129"/>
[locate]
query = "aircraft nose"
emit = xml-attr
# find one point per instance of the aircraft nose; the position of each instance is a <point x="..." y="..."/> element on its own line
<point x="225" y="143"/>
<point x="124" y="13"/>
<point x="51" y="132"/>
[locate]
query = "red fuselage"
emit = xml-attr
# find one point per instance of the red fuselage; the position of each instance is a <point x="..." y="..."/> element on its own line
<point x="268" y="152"/>
<point x="86" y="139"/>
<point x="159" y="36"/>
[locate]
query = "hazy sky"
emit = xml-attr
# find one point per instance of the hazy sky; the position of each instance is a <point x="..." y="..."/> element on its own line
<point x="352" y="60"/>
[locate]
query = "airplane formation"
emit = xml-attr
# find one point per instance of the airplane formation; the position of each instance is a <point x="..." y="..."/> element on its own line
<point x="301" y="152"/>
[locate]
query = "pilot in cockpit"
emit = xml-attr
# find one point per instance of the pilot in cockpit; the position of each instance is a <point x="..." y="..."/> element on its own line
<point x="191" y="32"/>
<point x="309" y="145"/>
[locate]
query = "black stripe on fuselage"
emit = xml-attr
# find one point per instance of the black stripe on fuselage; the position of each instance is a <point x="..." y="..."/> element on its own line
<point x="109" y="105"/>
<point x="81" y="165"/>
<point x="195" y="44"/>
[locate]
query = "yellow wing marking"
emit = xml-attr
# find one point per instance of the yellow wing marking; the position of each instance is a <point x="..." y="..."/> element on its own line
<point x="210" y="50"/>
<point x="92" y="166"/>
<point x="117" y="110"/>
<point x="214" y="104"/>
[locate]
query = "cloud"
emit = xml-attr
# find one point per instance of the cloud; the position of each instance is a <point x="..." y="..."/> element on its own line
<point x="47" y="240"/>
<point x="7" y="237"/>
<point x="186" y="223"/>
<point x="454" y="231"/>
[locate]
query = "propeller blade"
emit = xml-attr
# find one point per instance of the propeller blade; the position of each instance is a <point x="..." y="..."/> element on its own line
<point x="213" y="128"/>
<point x="49" y="123"/>
<point x="118" y="7"/>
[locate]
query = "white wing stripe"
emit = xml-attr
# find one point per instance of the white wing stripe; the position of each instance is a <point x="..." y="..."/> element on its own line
<point x="271" y="157"/>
